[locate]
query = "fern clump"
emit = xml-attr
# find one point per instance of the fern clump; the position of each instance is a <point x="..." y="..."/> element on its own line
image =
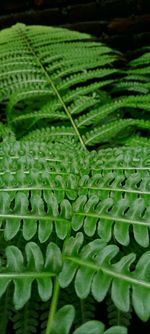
<point x="74" y="200"/>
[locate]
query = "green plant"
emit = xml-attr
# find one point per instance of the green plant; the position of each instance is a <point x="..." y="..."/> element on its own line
<point x="74" y="221"/>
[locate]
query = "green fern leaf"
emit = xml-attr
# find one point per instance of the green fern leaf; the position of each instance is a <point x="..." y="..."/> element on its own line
<point x="90" y="327"/>
<point x="106" y="132"/>
<point x="41" y="70"/>
<point x="97" y="327"/>
<point x="140" y="71"/>
<point x="140" y="61"/>
<point x="116" y="330"/>
<point x="138" y="141"/>
<point x="63" y="320"/>
<point x="94" y="262"/>
<point x="141" y="296"/>
<point x="23" y="276"/>
<point x="53" y="191"/>
<point x="131" y="86"/>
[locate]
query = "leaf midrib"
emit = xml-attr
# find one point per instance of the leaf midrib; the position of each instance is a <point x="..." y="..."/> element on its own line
<point x="113" y="274"/>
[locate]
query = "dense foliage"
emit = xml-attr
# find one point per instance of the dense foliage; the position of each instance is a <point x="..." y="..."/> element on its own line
<point x="74" y="185"/>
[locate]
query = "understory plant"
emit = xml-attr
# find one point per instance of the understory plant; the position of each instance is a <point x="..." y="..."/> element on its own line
<point x="74" y="184"/>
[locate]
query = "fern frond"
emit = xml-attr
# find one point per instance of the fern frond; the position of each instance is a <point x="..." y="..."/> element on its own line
<point x="93" y="261"/>
<point x="108" y="131"/>
<point x="137" y="77"/>
<point x="98" y="328"/>
<point x="53" y="111"/>
<point x="50" y="53"/>
<point x="63" y="81"/>
<point x="72" y="62"/>
<point x="82" y="77"/>
<point x="56" y="190"/>
<point x="117" y="196"/>
<point x="123" y="157"/>
<point x="23" y="270"/>
<point x="144" y="59"/>
<point x="92" y="89"/>
<point x="137" y="140"/>
<point x="50" y="134"/>
<point x="140" y="71"/>
<point x="131" y="86"/>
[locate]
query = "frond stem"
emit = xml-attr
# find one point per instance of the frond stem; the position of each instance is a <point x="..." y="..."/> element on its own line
<point x="53" y="307"/>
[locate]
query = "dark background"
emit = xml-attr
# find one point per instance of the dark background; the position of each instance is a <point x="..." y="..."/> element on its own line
<point x="123" y="24"/>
